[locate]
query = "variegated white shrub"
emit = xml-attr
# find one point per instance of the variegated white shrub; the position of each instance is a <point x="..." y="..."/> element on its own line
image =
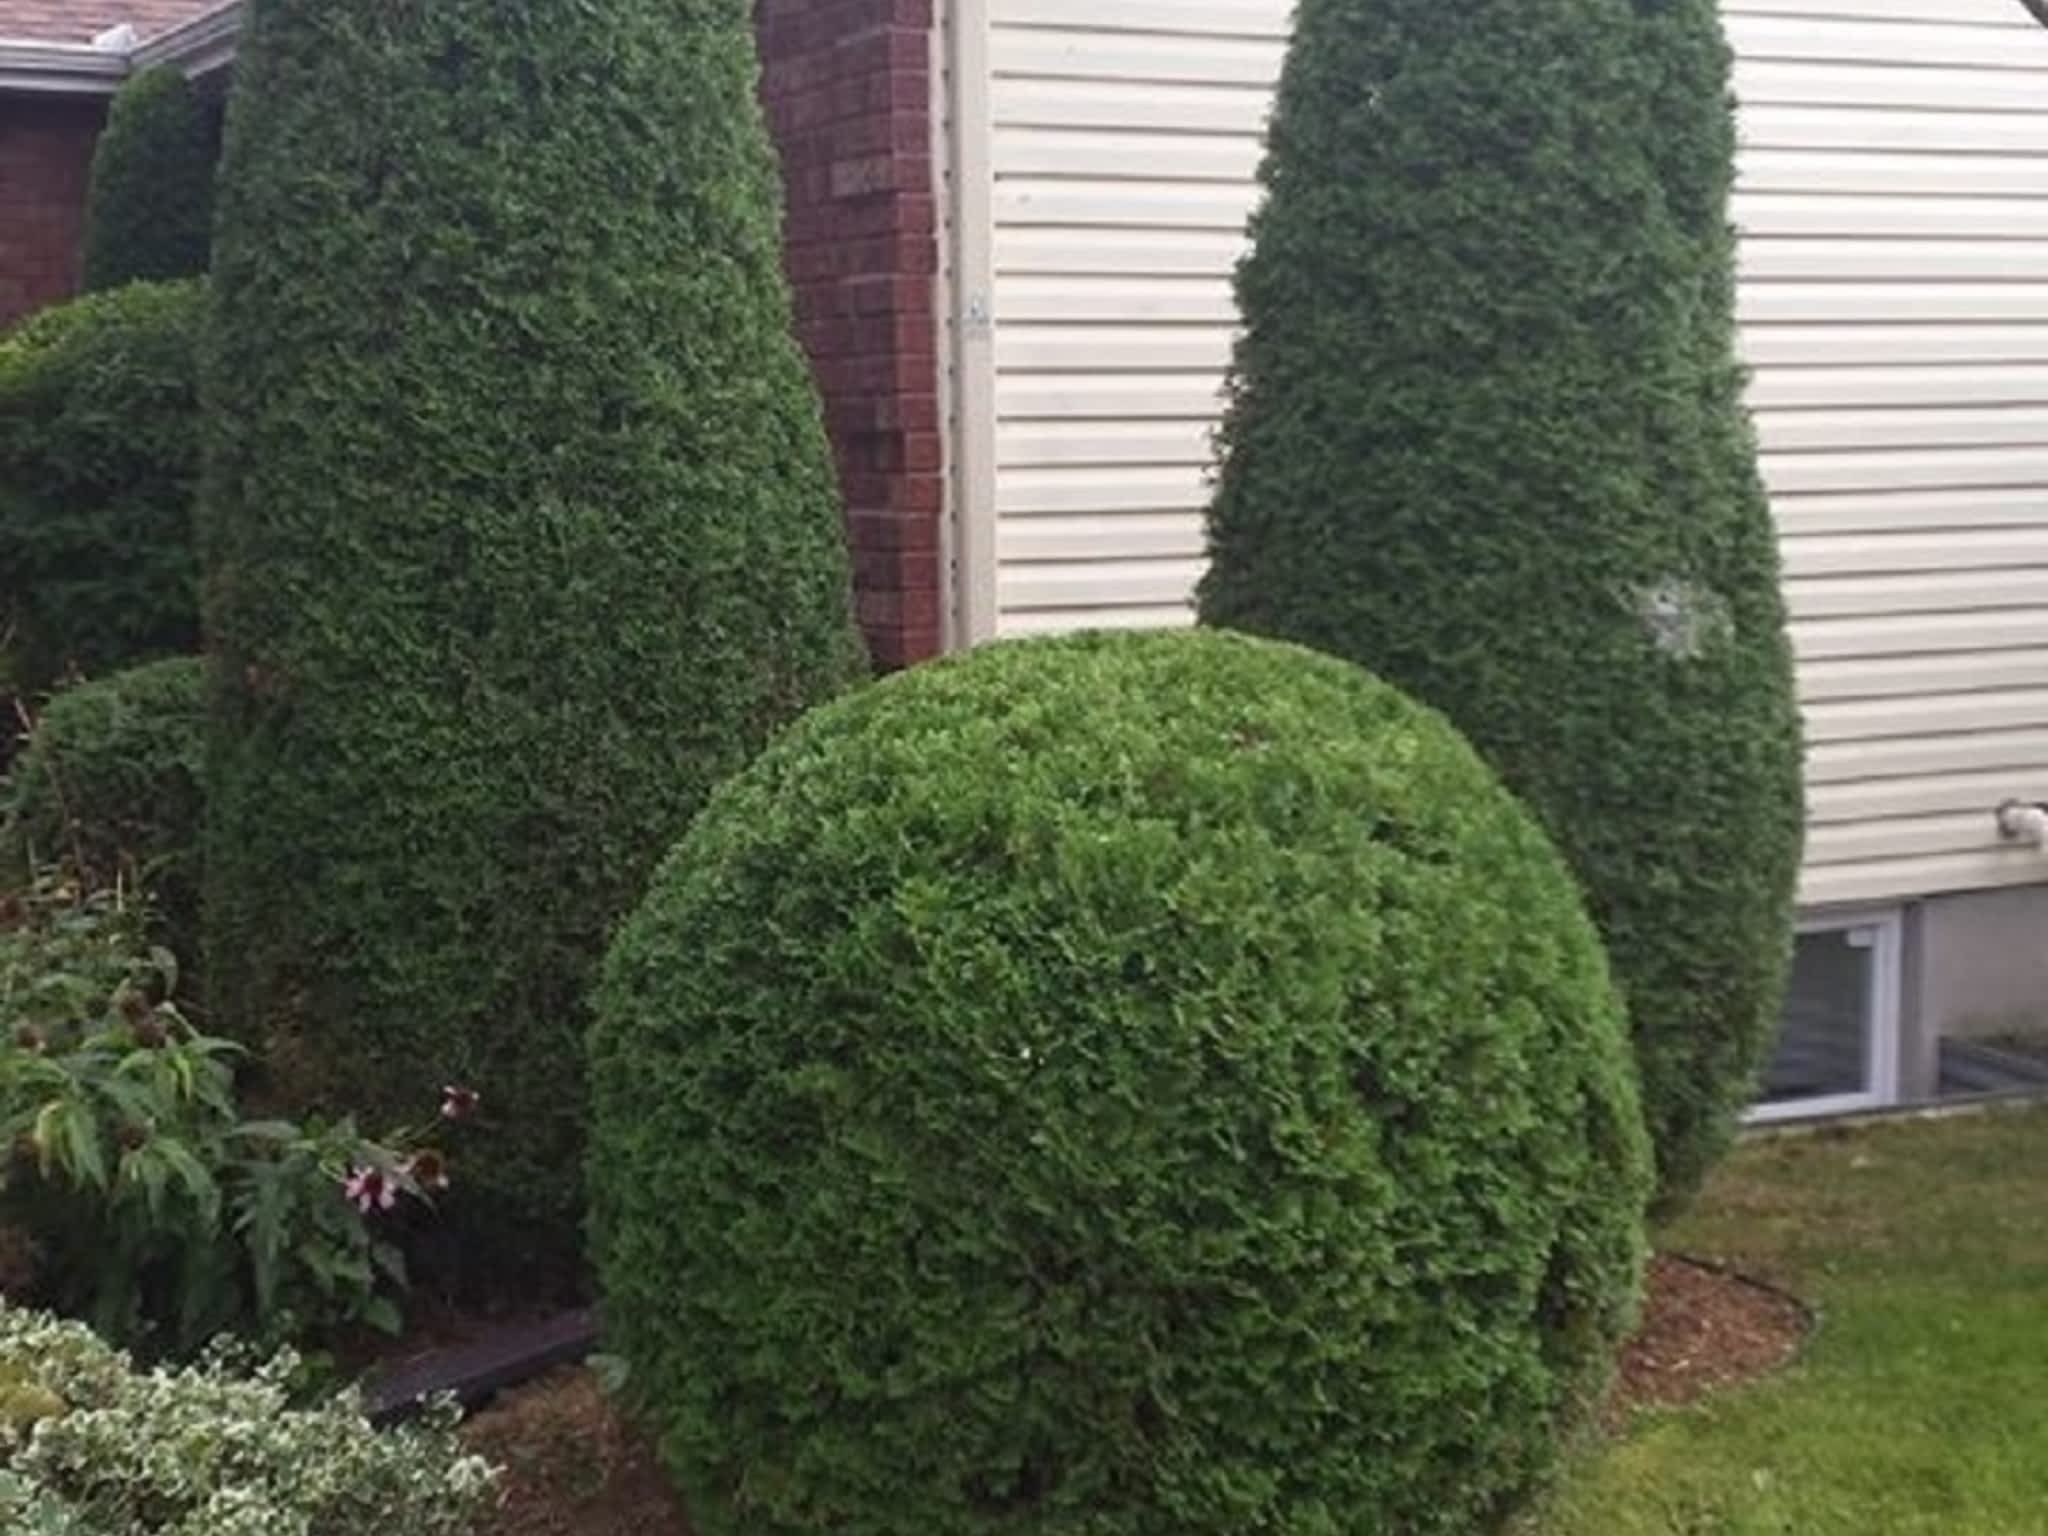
<point x="92" y="1446"/>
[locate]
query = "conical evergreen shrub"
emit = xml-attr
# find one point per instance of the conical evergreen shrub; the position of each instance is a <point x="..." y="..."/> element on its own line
<point x="149" y="208"/>
<point x="1486" y="438"/>
<point x="520" y="532"/>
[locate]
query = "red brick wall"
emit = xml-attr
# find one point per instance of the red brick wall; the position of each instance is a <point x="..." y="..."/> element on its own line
<point x="847" y="84"/>
<point x="848" y="90"/>
<point x="45" y="156"/>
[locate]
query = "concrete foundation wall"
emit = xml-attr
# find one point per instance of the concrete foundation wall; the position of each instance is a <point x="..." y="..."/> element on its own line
<point x="1983" y="964"/>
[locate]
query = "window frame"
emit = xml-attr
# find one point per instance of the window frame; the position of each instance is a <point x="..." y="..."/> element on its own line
<point x="1882" y="1032"/>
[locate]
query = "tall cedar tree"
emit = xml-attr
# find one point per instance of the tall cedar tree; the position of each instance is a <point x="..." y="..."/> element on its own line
<point x="1486" y="437"/>
<point x="149" y="208"/>
<point x="520" y="533"/>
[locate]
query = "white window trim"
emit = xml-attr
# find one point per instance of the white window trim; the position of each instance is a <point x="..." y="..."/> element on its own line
<point x="1887" y="951"/>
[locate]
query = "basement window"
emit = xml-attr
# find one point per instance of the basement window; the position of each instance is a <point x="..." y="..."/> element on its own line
<point x="1838" y="1042"/>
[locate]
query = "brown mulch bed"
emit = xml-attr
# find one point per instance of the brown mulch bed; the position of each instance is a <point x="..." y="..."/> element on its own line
<point x="1703" y="1329"/>
<point x="573" y="1469"/>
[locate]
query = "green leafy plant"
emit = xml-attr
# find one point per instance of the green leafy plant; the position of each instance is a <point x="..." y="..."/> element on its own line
<point x="155" y="1208"/>
<point x="1486" y="438"/>
<point x="99" y="461"/>
<point x="149" y="209"/>
<point x="521" y="533"/>
<point x="92" y="1446"/>
<point x="1125" y="1084"/>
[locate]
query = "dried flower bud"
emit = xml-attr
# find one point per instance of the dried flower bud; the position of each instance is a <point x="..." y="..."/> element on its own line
<point x="134" y="1006"/>
<point x="132" y="1137"/>
<point x="28" y="1037"/>
<point x="151" y="1031"/>
<point x="428" y="1169"/>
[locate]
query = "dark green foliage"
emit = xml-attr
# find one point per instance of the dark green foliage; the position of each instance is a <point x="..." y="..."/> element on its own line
<point x="1132" y="1085"/>
<point x="1486" y="438"/>
<point x="521" y="532"/>
<point x="99" y="456"/>
<point x="151" y="1204"/>
<point x="111" y="787"/>
<point x="149" y="212"/>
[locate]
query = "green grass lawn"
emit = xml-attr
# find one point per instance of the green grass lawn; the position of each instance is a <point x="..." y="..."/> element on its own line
<point x="1922" y="1403"/>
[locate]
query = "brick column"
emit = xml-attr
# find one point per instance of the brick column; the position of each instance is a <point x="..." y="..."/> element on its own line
<point x="46" y="147"/>
<point x="848" y="89"/>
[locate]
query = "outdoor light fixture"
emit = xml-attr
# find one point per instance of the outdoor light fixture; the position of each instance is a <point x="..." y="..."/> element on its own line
<point x="2024" y="821"/>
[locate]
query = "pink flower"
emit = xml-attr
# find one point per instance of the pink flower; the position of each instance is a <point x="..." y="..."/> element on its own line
<point x="369" y="1190"/>
<point x="458" y="1103"/>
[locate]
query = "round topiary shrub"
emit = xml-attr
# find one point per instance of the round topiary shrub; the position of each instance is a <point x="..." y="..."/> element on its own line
<point x="1121" y="1084"/>
<point x="111" y="783"/>
<point x="99" y="462"/>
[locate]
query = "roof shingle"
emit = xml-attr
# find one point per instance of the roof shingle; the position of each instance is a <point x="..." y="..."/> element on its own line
<point x="78" y="21"/>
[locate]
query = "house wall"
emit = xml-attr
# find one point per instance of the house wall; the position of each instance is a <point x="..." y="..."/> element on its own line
<point x="848" y="87"/>
<point x="1985" y="967"/>
<point x="1894" y="206"/>
<point x="45" y="157"/>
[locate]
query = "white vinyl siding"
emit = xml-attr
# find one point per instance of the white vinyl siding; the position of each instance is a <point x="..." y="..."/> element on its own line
<point x="1894" y="204"/>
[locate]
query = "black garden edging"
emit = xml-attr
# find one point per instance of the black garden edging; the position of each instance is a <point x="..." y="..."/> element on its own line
<point x="474" y="1373"/>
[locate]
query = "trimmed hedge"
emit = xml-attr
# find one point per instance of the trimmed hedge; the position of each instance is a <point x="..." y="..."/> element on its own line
<point x="99" y="462"/>
<point x="112" y="784"/>
<point x="521" y="533"/>
<point x="149" y="209"/>
<point x="1122" y="1084"/>
<point x="1487" y="439"/>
